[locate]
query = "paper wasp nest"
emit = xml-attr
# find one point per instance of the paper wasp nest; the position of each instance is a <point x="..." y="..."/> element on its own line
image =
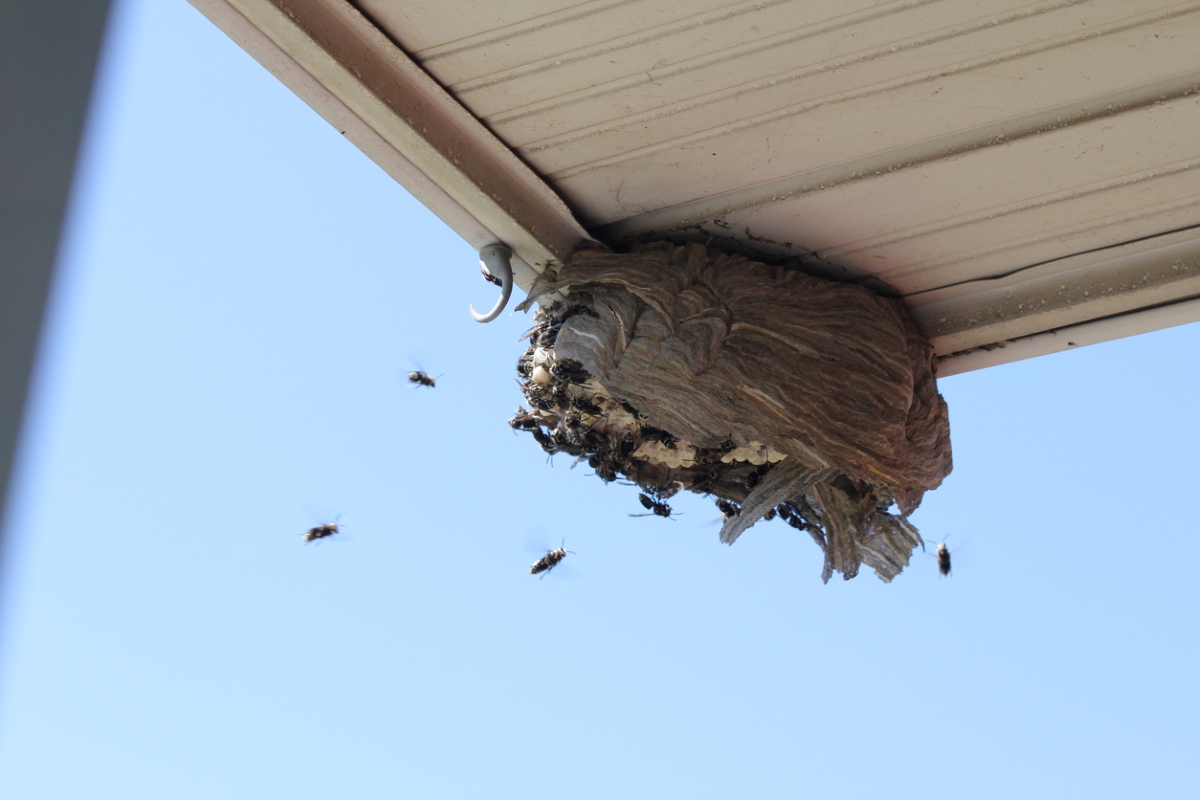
<point x="772" y="391"/>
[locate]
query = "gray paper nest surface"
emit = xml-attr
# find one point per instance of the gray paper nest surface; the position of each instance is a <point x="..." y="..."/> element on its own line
<point x="721" y="351"/>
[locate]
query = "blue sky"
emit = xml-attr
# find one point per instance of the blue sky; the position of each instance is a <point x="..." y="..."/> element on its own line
<point x="239" y="294"/>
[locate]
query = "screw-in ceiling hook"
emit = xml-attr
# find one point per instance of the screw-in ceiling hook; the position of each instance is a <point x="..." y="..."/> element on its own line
<point x="496" y="260"/>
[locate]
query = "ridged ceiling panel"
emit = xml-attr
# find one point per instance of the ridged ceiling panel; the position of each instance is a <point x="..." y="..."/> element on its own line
<point x="923" y="144"/>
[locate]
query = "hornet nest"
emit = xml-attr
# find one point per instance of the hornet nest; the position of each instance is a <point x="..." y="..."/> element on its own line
<point x="770" y="390"/>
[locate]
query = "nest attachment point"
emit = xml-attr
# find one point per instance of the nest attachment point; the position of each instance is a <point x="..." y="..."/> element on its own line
<point x="774" y="392"/>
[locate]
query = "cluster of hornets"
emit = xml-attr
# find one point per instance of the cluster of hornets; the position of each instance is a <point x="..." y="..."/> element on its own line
<point x="570" y="412"/>
<point x="417" y="378"/>
<point x="541" y="567"/>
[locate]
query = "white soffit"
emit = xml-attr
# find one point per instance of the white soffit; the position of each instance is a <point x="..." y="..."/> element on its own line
<point x="1026" y="175"/>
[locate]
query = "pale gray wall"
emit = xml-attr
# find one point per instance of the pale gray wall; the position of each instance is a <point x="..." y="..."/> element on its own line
<point x="48" y="53"/>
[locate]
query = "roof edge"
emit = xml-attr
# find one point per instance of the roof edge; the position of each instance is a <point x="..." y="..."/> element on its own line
<point x="405" y="122"/>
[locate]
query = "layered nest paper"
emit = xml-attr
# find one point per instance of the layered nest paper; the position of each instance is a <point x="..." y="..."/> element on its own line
<point x="768" y="389"/>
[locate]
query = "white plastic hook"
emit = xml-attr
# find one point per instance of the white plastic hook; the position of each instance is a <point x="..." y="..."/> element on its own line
<point x="496" y="260"/>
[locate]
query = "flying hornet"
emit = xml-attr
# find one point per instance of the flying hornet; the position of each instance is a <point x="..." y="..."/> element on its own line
<point x="419" y="378"/>
<point x="550" y="560"/>
<point x="322" y="531"/>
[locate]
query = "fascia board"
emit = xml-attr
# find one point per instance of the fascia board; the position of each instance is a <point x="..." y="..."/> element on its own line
<point x="342" y="66"/>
